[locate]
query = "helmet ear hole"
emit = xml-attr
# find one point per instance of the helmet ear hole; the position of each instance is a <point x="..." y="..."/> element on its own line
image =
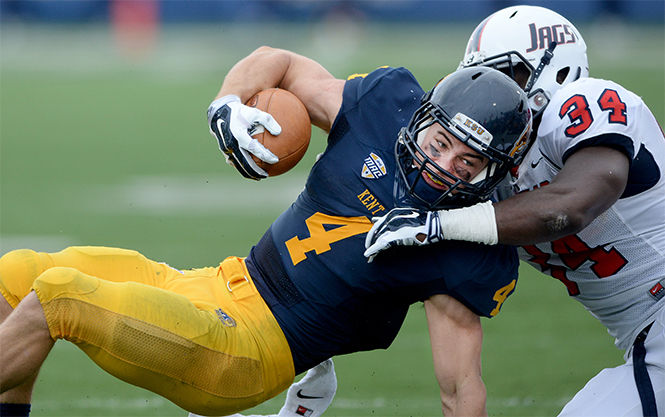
<point x="562" y="74"/>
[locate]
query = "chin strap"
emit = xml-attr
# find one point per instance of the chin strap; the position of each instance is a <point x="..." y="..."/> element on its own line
<point x="545" y="60"/>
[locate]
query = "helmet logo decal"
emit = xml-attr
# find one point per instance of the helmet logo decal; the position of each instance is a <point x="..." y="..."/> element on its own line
<point x="542" y="37"/>
<point x="521" y="144"/>
<point x="473" y="128"/>
<point x="373" y="167"/>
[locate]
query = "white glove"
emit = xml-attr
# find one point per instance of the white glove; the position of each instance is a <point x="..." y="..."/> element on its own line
<point x="233" y="124"/>
<point x="402" y="226"/>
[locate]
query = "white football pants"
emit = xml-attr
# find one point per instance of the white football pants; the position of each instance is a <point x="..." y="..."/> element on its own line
<point x="613" y="391"/>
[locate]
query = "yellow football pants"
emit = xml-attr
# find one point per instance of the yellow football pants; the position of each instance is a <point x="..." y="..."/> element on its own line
<point x="202" y="338"/>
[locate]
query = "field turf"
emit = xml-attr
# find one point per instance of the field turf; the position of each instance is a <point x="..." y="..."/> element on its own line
<point x="101" y="146"/>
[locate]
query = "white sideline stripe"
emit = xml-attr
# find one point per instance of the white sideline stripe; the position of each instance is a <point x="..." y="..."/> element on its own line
<point x="338" y="403"/>
<point x="380" y="402"/>
<point x="194" y="195"/>
<point x="104" y="403"/>
<point x="526" y="401"/>
<point x="43" y="243"/>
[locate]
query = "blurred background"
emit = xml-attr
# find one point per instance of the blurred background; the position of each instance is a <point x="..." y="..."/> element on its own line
<point x="103" y="141"/>
<point x="211" y="11"/>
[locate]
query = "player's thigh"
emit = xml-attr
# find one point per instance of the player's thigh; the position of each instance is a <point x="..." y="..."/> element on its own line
<point x="19" y="268"/>
<point x="155" y="339"/>
<point x="151" y="337"/>
<point x="112" y="264"/>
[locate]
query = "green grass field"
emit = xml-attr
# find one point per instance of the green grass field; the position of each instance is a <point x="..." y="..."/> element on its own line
<point x="99" y="148"/>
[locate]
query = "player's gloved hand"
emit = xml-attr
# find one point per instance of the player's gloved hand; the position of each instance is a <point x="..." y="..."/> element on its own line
<point x="402" y="226"/>
<point x="233" y="124"/>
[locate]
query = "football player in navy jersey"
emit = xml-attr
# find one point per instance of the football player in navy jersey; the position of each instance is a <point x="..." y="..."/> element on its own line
<point x="222" y="339"/>
<point x="588" y="203"/>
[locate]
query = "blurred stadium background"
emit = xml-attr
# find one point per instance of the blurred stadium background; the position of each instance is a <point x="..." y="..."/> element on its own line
<point x="103" y="141"/>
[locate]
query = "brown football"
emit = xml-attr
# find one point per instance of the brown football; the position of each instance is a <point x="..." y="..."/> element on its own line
<point x="291" y="144"/>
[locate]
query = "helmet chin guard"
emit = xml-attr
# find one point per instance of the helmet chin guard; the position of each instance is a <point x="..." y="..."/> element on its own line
<point x="534" y="39"/>
<point x="486" y="111"/>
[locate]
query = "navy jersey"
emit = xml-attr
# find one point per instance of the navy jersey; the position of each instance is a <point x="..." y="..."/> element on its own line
<point x="309" y="266"/>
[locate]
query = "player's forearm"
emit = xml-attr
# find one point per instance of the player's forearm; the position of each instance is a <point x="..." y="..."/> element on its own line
<point x="543" y="216"/>
<point x="579" y="193"/>
<point x="524" y="219"/>
<point x="267" y="67"/>
<point x="264" y="68"/>
<point x="467" y="399"/>
<point x="456" y="337"/>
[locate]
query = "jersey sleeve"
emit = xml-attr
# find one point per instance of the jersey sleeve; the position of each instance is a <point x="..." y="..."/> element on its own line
<point x="590" y="112"/>
<point x="384" y="97"/>
<point x="482" y="281"/>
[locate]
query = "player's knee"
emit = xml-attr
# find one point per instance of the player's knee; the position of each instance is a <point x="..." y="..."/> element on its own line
<point x="59" y="282"/>
<point x="61" y="291"/>
<point x="18" y="270"/>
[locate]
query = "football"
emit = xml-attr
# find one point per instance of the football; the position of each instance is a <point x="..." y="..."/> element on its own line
<point x="291" y="144"/>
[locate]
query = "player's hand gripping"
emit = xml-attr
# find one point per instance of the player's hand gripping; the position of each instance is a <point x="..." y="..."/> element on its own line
<point x="402" y="226"/>
<point x="232" y="124"/>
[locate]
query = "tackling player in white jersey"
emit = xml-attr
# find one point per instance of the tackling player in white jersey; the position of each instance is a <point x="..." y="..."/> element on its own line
<point x="614" y="265"/>
<point x="594" y="213"/>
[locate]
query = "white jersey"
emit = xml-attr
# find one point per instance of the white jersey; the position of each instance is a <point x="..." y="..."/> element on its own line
<point x="615" y="266"/>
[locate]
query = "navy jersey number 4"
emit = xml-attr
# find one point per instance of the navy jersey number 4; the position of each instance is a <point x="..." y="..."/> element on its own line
<point x="342" y="302"/>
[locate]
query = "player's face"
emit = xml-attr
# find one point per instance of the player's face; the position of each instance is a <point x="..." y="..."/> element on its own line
<point x="520" y="74"/>
<point x="450" y="154"/>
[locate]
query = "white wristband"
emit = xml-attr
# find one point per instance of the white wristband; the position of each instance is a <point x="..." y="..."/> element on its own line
<point x="474" y="224"/>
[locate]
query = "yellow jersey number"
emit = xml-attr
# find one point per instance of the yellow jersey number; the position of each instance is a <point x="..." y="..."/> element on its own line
<point x="319" y="239"/>
<point x="500" y="296"/>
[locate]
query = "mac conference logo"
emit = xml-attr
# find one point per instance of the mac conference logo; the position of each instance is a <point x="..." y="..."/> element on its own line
<point x="373" y="167"/>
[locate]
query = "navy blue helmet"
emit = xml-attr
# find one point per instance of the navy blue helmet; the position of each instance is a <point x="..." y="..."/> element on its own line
<point x="485" y="110"/>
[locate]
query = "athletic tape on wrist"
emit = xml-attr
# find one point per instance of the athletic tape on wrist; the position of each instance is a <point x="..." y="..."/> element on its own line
<point x="474" y="224"/>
